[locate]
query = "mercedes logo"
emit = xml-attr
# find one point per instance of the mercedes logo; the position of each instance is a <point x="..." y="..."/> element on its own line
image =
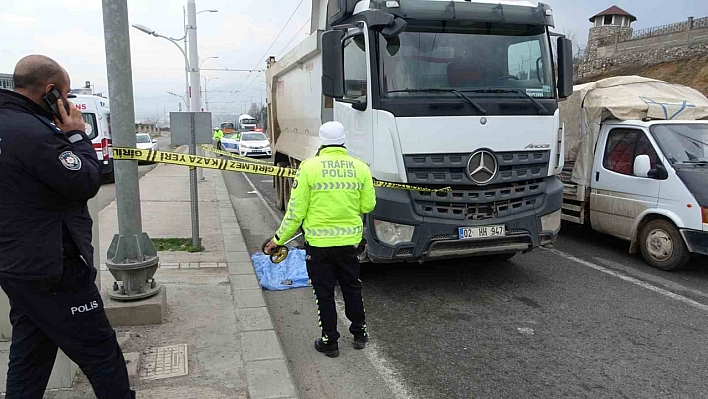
<point x="483" y="121"/>
<point x="482" y="167"/>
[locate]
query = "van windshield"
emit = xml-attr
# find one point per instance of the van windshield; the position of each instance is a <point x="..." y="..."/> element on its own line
<point x="143" y="138"/>
<point x="682" y="143"/>
<point x="91" y="126"/>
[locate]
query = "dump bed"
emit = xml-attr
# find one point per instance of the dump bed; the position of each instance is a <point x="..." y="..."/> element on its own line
<point x="296" y="106"/>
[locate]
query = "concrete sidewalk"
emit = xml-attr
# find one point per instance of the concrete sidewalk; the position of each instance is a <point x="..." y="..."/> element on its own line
<point x="214" y="303"/>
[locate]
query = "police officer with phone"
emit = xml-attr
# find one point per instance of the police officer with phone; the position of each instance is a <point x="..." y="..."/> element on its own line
<point x="48" y="172"/>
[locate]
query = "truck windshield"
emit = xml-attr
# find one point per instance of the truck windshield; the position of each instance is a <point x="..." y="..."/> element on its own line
<point x="682" y="143"/>
<point x="471" y="57"/>
<point x="248" y="121"/>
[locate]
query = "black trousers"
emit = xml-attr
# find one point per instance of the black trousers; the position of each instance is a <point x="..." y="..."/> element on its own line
<point x="326" y="267"/>
<point x="67" y="315"/>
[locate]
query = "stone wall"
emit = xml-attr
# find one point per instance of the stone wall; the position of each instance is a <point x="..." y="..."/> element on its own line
<point x="647" y="47"/>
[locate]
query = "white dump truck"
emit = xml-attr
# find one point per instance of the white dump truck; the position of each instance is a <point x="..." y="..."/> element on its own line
<point x="637" y="166"/>
<point x="459" y="94"/>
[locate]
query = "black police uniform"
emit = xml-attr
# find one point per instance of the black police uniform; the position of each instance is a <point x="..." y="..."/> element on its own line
<point x="46" y="258"/>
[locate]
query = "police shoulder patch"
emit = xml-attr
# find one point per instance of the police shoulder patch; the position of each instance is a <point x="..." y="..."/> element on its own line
<point x="70" y="161"/>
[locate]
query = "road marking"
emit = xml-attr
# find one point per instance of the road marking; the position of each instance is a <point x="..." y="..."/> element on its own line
<point x="265" y="202"/>
<point x="380" y="364"/>
<point x="650" y="277"/>
<point x="653" y="288"/>
<point x="267" y="181"/>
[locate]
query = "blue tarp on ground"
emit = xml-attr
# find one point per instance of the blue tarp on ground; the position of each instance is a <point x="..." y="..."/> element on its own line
<point x="290" y="273"/>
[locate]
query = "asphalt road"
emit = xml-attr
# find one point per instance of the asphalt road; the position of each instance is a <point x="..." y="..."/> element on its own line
<point x="107" y="192"/>
<point x="586" y="320"/>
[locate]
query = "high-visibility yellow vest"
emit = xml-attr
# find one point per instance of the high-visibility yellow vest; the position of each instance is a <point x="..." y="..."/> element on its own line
<point x="330" y="193"/>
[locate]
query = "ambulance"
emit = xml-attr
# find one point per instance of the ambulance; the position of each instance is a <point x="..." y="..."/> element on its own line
<point x="97" y="117"/>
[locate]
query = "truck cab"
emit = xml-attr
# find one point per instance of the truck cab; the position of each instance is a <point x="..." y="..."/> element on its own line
<point x="650" y="186"/>
<point x="455" y="96"/>
<point x="96" y="113"/>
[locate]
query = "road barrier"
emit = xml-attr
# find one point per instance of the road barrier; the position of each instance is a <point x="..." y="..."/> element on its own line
<point x="246" y="166"/>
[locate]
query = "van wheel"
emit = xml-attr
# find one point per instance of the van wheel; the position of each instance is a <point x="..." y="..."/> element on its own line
<point x="110" y="177"/>
<point x="279" y="182"/>
<point x="662" y="246"/>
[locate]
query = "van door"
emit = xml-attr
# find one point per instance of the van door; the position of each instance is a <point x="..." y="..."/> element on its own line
<point x="618" y="197"/>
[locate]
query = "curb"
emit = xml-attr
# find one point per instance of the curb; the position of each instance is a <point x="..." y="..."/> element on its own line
<point x="267" y="372"/>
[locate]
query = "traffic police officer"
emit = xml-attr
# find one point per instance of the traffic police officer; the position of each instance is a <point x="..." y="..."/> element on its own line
<point x="48" y="172"/>
<point x="218" y="135"/>
<point x="330" y="193"/>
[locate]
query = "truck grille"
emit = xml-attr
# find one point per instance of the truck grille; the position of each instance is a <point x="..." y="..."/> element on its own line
<point x="518" y="187"/>
<point x="451" y="169"/>
<point x="481" y="204"/>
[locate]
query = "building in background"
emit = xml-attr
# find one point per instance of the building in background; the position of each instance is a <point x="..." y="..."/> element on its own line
<point x="6" y="81"/>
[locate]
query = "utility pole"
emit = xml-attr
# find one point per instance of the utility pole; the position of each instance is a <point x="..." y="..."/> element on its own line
<point x="194" y="102"/>
<point x="132" y="258"/>
<point x="195" y="91"/>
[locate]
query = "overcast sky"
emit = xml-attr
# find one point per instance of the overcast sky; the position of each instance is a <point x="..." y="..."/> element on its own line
<point x="71" y="31"/>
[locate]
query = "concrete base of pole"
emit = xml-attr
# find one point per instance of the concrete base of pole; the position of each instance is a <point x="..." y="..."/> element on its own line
<point x="136" y="313"/>
<point x="134" y="278"/>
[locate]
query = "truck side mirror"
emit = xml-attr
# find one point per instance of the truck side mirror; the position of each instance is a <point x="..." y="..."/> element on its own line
<point x="642" y="166"/>
<point x="332" y="64"/>
<point x="565" y="67"/>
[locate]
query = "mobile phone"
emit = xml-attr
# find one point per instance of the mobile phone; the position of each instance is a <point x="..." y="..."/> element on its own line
<point x="51" y="99"/>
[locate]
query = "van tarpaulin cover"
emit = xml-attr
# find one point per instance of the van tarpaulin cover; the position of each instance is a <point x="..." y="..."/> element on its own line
<point x="623" y="98"/>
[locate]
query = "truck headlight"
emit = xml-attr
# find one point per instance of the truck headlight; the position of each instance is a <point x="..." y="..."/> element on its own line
<point x="551" y="222"/>
<point x="393" y="233"/>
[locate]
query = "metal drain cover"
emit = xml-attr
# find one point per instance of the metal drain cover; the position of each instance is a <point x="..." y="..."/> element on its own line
<point x="165" y="362"/>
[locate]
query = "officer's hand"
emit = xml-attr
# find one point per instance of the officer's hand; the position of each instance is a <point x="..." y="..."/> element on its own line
<point x="72" y="121"/>
<point x="270" y="246"/>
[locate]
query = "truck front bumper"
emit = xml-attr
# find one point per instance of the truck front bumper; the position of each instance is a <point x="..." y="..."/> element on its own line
<point x="437" y="238"/>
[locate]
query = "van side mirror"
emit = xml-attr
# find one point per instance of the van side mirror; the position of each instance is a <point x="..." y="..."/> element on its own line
<point x="333" y="64"/>
<point x="642" y="166"/>
<point x="659" y="173"/>
<point x="565" y="67"/>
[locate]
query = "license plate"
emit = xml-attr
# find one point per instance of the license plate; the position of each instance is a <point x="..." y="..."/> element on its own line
<point x="256" y="151"/>
<point x="467" y="233"/>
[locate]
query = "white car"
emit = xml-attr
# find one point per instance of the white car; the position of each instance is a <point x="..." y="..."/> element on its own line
<point x="230" y="142"/>
<point x="143" y="141"/>
<point x="253" y="144"/>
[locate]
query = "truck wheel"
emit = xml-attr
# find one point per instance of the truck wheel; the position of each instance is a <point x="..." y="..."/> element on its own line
<point x="287" y="189"/>
<point x="279" y="182"/>
<point x="662" y="245"/>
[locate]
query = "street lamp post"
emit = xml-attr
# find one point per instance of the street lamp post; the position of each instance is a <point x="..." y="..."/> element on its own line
<point x="206" y="101"/>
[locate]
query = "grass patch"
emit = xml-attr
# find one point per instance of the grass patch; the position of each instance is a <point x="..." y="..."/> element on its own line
<point x="176" y="244"/>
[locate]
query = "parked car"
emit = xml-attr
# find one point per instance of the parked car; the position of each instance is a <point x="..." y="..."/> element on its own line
<point x="253" y="144"/>
<point x="143" y="141"/>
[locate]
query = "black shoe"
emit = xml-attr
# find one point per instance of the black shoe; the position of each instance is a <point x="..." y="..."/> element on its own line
<point x="330" y="350"/>
<point x="360" y="342"/>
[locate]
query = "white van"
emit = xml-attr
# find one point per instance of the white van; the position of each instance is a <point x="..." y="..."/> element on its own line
<point x="97" y="116"/>
<point x="637" y="166"/>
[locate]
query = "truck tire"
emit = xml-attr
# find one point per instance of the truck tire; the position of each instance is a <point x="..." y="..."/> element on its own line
<point x="662" y="245"/>
<point x="279" y="182"/>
